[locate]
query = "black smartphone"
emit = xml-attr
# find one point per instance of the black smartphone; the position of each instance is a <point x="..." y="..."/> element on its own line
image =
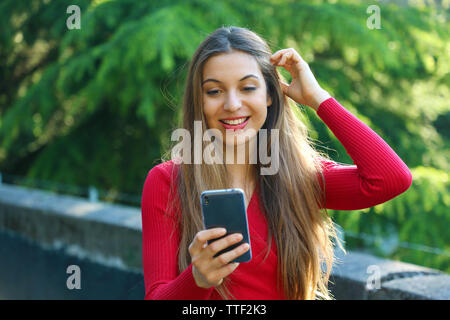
<point x="225" y="208"/>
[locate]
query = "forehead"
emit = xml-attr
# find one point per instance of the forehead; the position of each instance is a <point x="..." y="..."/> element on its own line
<point x="230" y="66"/>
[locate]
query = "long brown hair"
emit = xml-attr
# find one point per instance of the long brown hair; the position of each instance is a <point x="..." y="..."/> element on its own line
<point x="292" y="198"/>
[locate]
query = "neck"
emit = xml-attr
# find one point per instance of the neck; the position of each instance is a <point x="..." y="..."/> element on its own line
<point x="241" y="174"/>
<point x="241" y="169"/>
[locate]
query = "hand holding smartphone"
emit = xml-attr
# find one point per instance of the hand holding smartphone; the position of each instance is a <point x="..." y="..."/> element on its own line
<point x="217" y="251"/>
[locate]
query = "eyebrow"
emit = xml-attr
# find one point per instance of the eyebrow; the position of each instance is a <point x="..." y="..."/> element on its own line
<point x="247" y="76"/>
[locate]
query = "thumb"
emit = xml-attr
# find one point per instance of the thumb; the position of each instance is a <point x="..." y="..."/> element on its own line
<point x="235" y="265"/>
<point x="284" y="87"/>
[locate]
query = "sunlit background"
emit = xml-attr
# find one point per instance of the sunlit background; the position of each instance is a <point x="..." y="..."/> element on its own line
<point x="90" y="111"/>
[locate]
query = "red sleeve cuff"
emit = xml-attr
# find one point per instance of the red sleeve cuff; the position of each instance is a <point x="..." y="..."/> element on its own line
<point x="182" y="287"/>
<point x="325" y="105"/>
<point x="194" y="291"/>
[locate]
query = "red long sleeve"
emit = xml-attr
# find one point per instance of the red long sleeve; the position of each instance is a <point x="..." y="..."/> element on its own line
<point x="377" y="175"/>
<point x="159" y="248"/>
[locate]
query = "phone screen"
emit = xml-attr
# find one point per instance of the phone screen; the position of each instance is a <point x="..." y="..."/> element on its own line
<point x="225" y="208"/>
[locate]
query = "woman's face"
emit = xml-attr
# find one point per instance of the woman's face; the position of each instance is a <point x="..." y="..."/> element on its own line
<point x="234" y="95"/>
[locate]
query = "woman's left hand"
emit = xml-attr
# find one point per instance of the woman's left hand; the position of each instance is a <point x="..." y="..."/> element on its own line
<point x="304" y="88"/>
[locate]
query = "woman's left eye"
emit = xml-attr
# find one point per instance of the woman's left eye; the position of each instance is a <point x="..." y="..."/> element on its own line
<point x="215" y="92"/>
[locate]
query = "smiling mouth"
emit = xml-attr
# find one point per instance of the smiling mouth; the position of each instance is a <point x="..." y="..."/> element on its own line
<point x="234" y="122"/>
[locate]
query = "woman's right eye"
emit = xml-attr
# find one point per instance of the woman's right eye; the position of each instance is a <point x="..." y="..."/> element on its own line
<point x="212" y="92"/>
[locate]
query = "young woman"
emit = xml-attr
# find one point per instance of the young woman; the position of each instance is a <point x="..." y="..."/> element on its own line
<point x="233" y="75"/>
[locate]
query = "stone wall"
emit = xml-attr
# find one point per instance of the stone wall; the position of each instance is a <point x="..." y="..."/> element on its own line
<point x="41" y="233"/>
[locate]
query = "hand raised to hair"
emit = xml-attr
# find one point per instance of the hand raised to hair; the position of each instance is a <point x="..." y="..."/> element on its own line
<point x="304" y="88"/>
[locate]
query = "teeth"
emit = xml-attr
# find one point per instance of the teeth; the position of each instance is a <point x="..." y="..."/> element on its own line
<point x="234" y="122"/>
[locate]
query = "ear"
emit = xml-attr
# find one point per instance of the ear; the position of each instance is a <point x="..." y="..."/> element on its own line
<point x="269" y="100"/>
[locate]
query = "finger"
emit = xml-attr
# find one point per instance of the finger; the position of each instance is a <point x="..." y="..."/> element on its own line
<point x="201" y="238"/>
<point x="295" y="58"/>
<point x="227" y="257"/>
<point x="277" y="55"/>
<point x="226" y="270"/>
<point x="284" y="87"/>
<point x="288" y="58"/>
<point x="223" y="243"/>
<point x="285" y="58"/>
<point x="277" y="60"/>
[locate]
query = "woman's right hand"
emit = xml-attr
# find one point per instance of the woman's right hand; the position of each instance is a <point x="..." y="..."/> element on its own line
<point x="209" y="271"/>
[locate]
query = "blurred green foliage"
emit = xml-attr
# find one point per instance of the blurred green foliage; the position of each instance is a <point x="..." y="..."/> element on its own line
<point x="419" y="216"/>
<point x="96" y="106"/>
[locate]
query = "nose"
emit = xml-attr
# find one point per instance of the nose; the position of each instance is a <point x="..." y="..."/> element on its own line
<point x="233" y="102"/>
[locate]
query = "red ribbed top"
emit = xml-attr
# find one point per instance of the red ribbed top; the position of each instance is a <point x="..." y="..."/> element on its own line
<point x="378" y="175"/>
